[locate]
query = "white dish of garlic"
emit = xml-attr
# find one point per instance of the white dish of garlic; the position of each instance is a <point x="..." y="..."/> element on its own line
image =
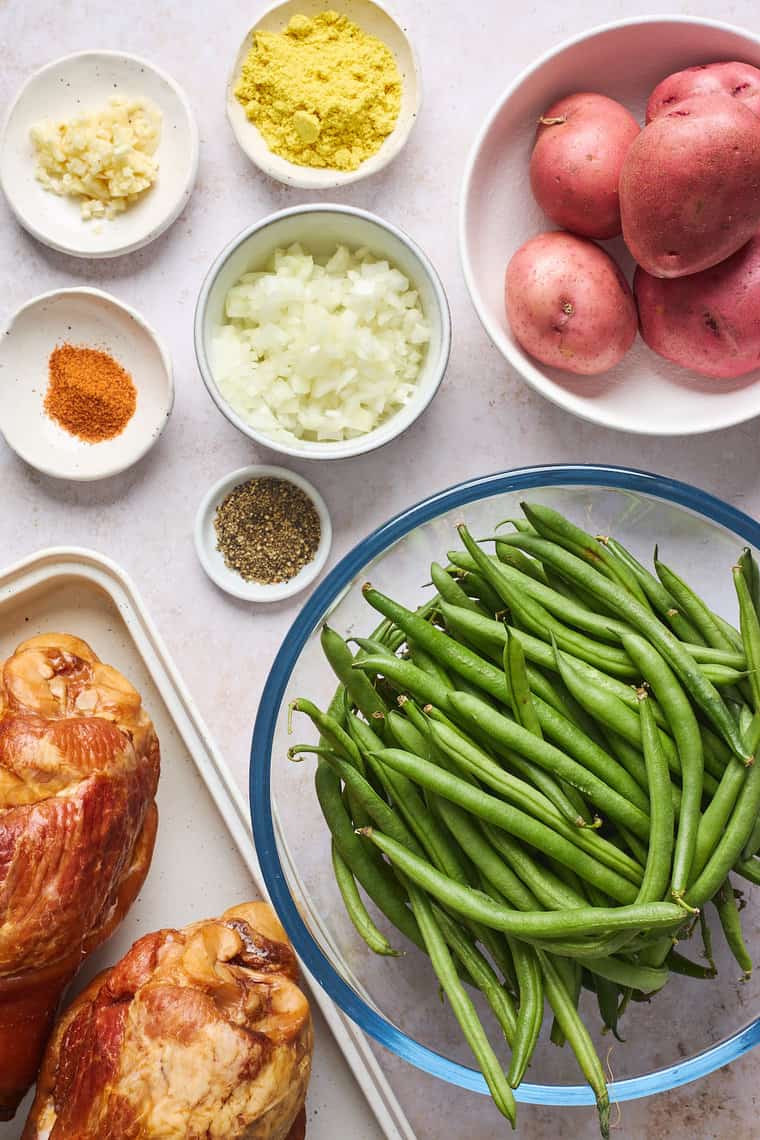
<point x="99" y="153"/>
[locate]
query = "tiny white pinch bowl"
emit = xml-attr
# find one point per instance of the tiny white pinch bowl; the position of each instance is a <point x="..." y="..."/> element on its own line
<point x="96" y="319"/>
<point x="75" y="84"/>
<point x="212" y="561"/>
<point x="644" y="393"/>
<point x="372" y="18"/>
<point x="320" y="228"/>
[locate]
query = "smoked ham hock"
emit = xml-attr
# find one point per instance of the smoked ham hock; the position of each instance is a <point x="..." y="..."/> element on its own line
<point x="196" y="1034"/>
<point x="79" y="766"/>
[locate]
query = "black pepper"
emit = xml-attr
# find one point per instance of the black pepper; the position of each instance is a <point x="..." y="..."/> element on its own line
<point x="267" y="530"/>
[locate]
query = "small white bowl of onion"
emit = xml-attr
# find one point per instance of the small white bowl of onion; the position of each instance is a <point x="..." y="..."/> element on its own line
<point x="322" y="332"/>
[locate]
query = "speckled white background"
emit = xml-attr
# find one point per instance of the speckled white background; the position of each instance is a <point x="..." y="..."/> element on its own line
<point x="483" y="418"/>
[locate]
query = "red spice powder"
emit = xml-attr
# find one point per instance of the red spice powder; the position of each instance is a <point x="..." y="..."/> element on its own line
<point x="89" y="393"/>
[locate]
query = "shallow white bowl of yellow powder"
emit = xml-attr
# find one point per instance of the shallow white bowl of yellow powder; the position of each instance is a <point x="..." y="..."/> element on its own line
<point x="372" y="20"/>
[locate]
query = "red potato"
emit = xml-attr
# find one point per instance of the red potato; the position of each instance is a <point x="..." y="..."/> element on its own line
<point x="580" y="145"/>
<point x="568" y="304"/>
<point x="690" y="186"/>
<point x="739" y="80"/>
<point x="708" y="322"/>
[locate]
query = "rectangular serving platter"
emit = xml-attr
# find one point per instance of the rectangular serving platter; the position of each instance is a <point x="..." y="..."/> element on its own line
<point x="205" y="860"/>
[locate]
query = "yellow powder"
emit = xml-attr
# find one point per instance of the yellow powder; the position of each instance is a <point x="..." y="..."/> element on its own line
<point x="322" y="93"/>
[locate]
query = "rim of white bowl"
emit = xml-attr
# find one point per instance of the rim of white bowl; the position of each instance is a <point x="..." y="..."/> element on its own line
<point x="326" y="179"/>
<point x="528" y="371"/>
<point x="258" y="591"/>
<point x="184" y="194"/>
<point x="152" y="437"/>
<point x="341" y="449"/>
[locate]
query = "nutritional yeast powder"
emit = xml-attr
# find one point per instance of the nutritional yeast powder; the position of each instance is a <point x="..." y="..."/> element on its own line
<point x="267" y="530"/>
<point x="89" y="393"/>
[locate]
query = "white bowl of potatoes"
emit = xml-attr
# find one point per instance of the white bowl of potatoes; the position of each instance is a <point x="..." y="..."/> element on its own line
<point x="658" y="386"/>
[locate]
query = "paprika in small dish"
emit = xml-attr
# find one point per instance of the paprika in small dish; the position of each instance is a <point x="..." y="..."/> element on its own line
<point x="85" y="384"/>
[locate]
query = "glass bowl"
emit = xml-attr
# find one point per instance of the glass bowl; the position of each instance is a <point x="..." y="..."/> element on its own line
<point x="689" y="1029"/>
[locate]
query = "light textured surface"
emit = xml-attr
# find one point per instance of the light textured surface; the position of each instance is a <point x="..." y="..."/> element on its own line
<point x="483" y="418"/>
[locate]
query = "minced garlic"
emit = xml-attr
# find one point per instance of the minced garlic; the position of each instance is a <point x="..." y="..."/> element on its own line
<point x="322" y="93"/>
<point x="105" y="157"/>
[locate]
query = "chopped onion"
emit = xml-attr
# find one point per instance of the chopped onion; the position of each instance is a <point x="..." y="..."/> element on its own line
<point x="320" y="351"/>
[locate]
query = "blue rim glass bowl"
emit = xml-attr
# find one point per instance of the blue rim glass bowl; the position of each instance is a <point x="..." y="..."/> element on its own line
<point x="691" y="1028"/>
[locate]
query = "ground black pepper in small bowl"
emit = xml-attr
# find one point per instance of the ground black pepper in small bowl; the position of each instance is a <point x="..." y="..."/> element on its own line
<point x="267" y="530"/>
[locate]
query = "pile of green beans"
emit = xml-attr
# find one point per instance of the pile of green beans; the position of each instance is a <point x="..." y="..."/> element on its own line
<point x="542" y="777"/>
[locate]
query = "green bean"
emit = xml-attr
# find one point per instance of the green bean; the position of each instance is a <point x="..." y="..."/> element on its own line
<point x="372" y="648"/>
<point x="425" y="689"/>
<point x="527" y="611"/>
<point x="706" y="655"/>
<point x="752" y="845"/>
<point x="716" y="752"/>
<point x="373" y="804"/>
<point x="572" y="976"/>
<point x="447" y="651"/>
<point x="723" y="674"/>
<point x="730" y="845"/>
<point x="678" y="656"/>
<point x="429" y="833"/>
<point x="731" y="633"/>
<point x="469" y="835"/>
<point x="717" y="813"/>
<point x="658" y="596"/>
<point x="451" y="591"/>
<point x="693" y="606"/>
<point x="461" y="1005"/>
<point x="607" y="1000"/>
<point x="494" y="635"/>
<point x="509" y="583"/>
<point x="331" y="729"/>
<point x="524" y="924"/>
<point x="611" y="713"/>
<point x="629" y="756"/>
<point x="685" y="729"/>
<point x="530" y="1013"/>
<point x="680" y="965"/>
<point x="660" y="848"/>
<point x="515" y="558"/>
<point x="429" y="664"/>
<point x="647" y="979"/>
<point x="634" y="845"/>
<point x="566" y="800"/>
<point x="355" y="908"/>
<point x="469" y="757"/>
<point x="750" y="629"/>
<point x="728" y="913"/>
<point x="517" y="823"/>
<point x="519" y="688"/>
<point x="553" y="526"/>
<point x="409" y="803"/>
<point x="575" y="1031"/>
<point x="751" y="573"/>
<point x="407" y="678"/>
<point x="381" y="886"/>
<point x="358" y="685"/>
<point x="547" y="887"/>
<point x="609" y="800"/>
<point x="481" y="972"/>
<point x="749" y="869"/>
<point x="482" y="591"/>
<point x="602" y="766"/>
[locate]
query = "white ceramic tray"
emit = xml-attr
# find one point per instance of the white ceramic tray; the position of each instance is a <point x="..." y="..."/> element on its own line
<point x="204" y="859"/>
